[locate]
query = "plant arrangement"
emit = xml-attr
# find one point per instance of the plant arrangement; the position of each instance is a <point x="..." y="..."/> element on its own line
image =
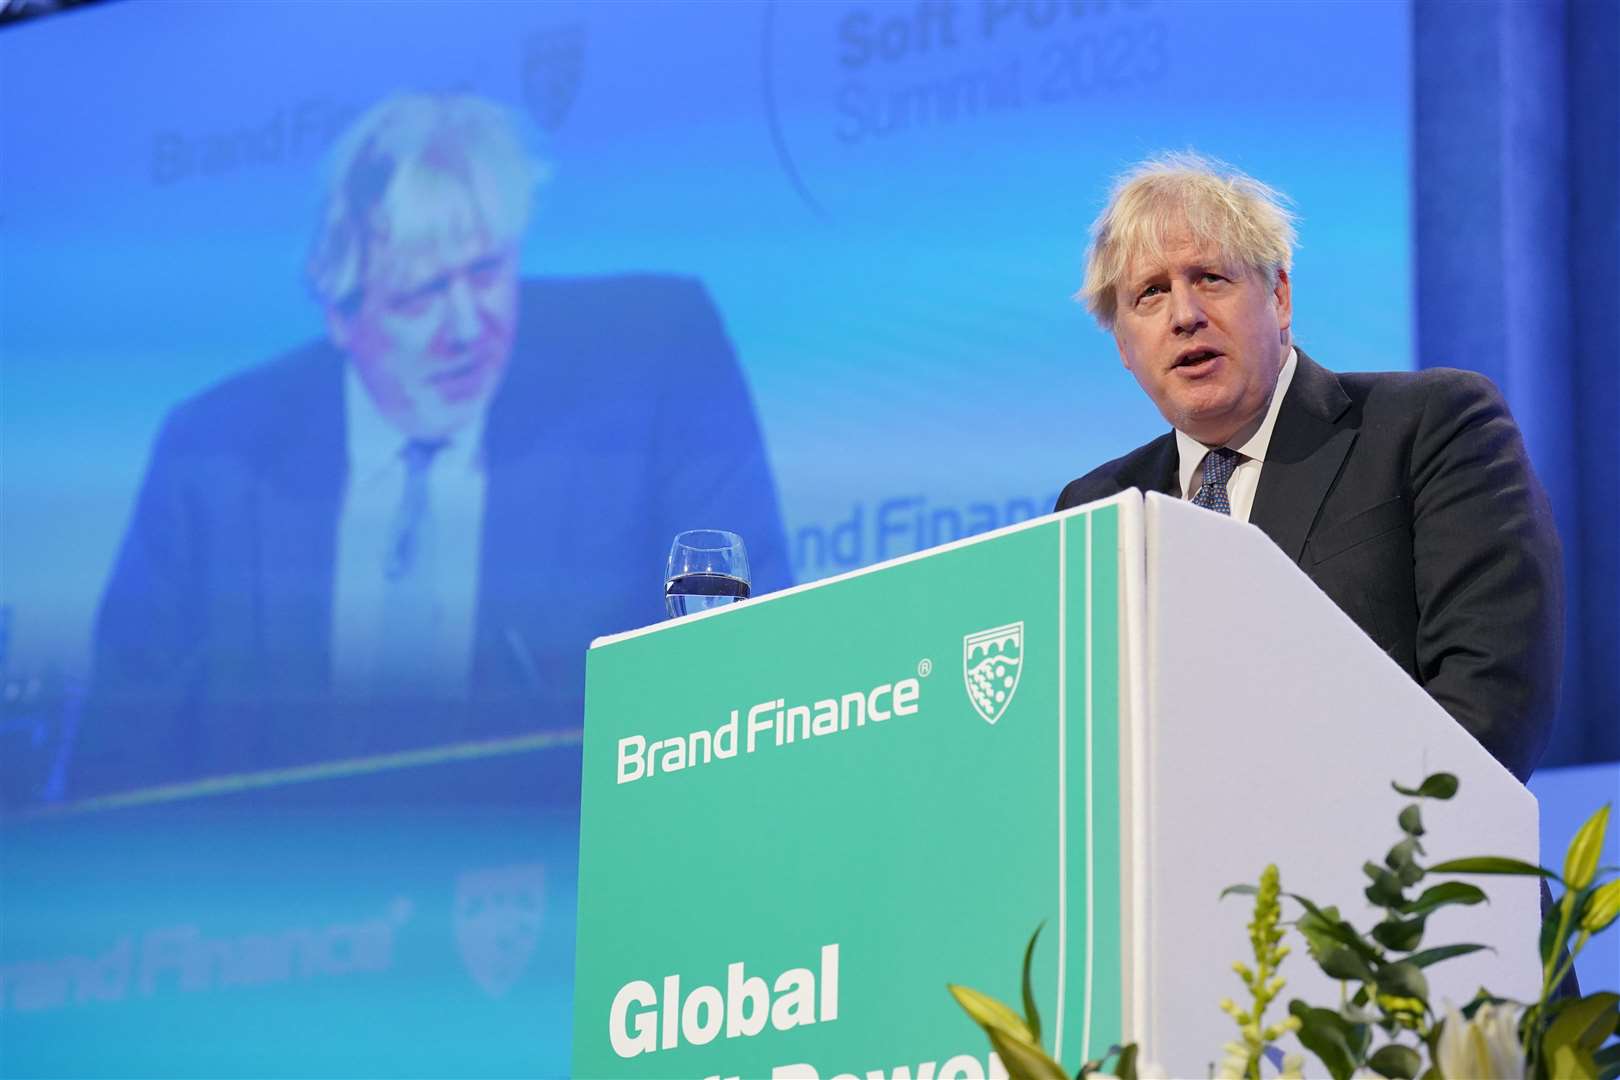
<point x="1385" y="1023"/>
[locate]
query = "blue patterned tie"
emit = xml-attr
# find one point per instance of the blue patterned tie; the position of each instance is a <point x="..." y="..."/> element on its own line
<point x="411" y="521"/>
<point x="1218" y="466"/>
<point x="406" y="662"/>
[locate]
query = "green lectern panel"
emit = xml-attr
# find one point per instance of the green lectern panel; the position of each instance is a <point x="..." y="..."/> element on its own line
<point x="803" y="817"/>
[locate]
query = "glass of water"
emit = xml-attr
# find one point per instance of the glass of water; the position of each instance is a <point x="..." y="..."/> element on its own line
<point x="708" y="568"/>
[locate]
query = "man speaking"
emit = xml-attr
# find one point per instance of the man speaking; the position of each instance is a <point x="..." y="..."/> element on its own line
<point x="1407" y="497"/>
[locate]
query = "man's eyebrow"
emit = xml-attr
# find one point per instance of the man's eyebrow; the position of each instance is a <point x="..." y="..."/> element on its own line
<point x="432" y="284"/>
<point x="1146" y="277"/>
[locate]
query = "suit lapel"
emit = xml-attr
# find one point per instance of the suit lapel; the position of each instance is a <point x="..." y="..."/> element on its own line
<point x="1307" y="449"/>
<point x="1157" y="468"/>
<point x="298" y="508"/>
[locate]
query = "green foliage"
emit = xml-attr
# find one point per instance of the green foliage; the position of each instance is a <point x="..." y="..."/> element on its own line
<point x="1381" y="971"/>
<point x="1385" y="990"/>
<point x="1396" y="1060"/>
<point x="1491" y="864"/>
<point x="1032" y="1015"/>
<point x="1338" y="1043"/>
<point x="1581" y="861"/>
<point x="1385" y="965"/>
<point x="1017" y="1039"/>
<point x="1262" y="981"/>
<point x="1602" y="908"/>
<point x="1438" y="786"/>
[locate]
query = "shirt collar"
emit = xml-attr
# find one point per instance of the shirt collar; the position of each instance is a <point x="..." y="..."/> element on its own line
<point x="1254" y="447"/>
<point x="374" y="444"/>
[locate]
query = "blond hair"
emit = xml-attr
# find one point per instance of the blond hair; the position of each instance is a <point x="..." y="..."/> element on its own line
<point x="1220" y="206"/>
<point x="404" y="144"/>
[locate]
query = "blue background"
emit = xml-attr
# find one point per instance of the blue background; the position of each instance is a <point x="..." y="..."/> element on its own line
<point x="888" y="204"/>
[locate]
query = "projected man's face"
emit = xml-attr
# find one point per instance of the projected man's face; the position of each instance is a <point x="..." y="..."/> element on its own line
<point x="436" y="318"/>
<point x="1206" y="340"/>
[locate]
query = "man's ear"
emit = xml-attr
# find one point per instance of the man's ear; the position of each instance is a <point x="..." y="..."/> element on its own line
<point x="1283" y="294"/>
<point x="339" y="328"/>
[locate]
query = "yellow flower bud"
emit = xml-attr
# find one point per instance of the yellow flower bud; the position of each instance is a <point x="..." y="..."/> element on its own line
<point x="1581" y="862"/>
<point x="1602" y="908"/>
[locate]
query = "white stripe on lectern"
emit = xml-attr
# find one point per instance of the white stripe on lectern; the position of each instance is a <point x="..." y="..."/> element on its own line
<point x="1063" y="768"/>
<point x="1091" y="859"/>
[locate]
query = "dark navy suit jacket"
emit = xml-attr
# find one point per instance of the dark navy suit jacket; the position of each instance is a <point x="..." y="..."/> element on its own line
<point x="623" y="418"/>
<point x="1408" y="498"/>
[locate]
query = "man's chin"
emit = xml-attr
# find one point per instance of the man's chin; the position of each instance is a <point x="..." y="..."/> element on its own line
<point x="1208" y="422"/>
<point x="442" y="418"/>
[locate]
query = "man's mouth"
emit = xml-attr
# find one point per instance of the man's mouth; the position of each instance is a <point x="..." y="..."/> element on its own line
<point x="462" y="381"/>
<point x="455" y="374"/>
<point x="1196" y="361"/>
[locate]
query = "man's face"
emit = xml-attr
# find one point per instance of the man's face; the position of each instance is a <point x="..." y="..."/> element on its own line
<point x="1205" y="339"/>
<point x="436" y="319"/>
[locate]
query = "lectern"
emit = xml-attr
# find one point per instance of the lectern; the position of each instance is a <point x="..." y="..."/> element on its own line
<point x="802" y="816"/>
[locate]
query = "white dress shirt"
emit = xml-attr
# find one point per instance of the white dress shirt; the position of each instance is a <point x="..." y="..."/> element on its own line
<point x="1245" y="478"/>
<point x="376" y="482"/>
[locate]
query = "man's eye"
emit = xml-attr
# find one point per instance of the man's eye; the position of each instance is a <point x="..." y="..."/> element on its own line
<point x="485" y="272"/>
<point x="415" y="301"/>
<point x="1212" y="276"/>
<point x="1151" y="290"/>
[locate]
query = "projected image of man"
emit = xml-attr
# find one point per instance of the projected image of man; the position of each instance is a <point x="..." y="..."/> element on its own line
<point x="407" y="533"/>
<point x="416" y="265"/>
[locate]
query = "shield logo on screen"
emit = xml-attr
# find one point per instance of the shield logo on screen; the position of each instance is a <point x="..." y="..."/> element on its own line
<point x="553" y="64"/>
<point x="496" y="917"/>
<point x="992" y="661"/>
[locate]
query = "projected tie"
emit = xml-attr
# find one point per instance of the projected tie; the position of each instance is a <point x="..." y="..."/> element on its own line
<point x="407" y="664"/>
<point x="1218" y="466"/>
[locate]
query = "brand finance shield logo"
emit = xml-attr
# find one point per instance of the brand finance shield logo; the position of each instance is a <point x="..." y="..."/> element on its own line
<point x="992" y="661"/>
<point x="497" y="922"/>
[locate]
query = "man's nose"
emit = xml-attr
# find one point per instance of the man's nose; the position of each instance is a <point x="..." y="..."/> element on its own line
<point x="1186" y="314"/>
<point x="462" y="322"/>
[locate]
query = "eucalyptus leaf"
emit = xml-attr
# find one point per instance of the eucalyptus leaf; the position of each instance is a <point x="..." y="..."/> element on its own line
<point x="1385" y="890"/>
<point x="1396" y="1060"/>
<point x="1445" y="952"/>
<point x="1327" y="1035"/>
<point x="1438" y="896"/>
<point x="1345" y="964"/>
<point x="1404" y="979"/>
<point x="1403" y="854"/>
<point x="1440" y="785"/>
<point x="1400" y="935"/>
<point x="1032" y="1015"/>
<point x="1125" y="1068"/>
<point x="1321" y="925"/>
<point x="1492" y="864"/>
<point x="1411" y="821"/>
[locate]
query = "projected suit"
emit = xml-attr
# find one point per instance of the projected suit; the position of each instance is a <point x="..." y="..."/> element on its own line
<point x="1409" y="499"/>
<point x="623" y="418"/>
